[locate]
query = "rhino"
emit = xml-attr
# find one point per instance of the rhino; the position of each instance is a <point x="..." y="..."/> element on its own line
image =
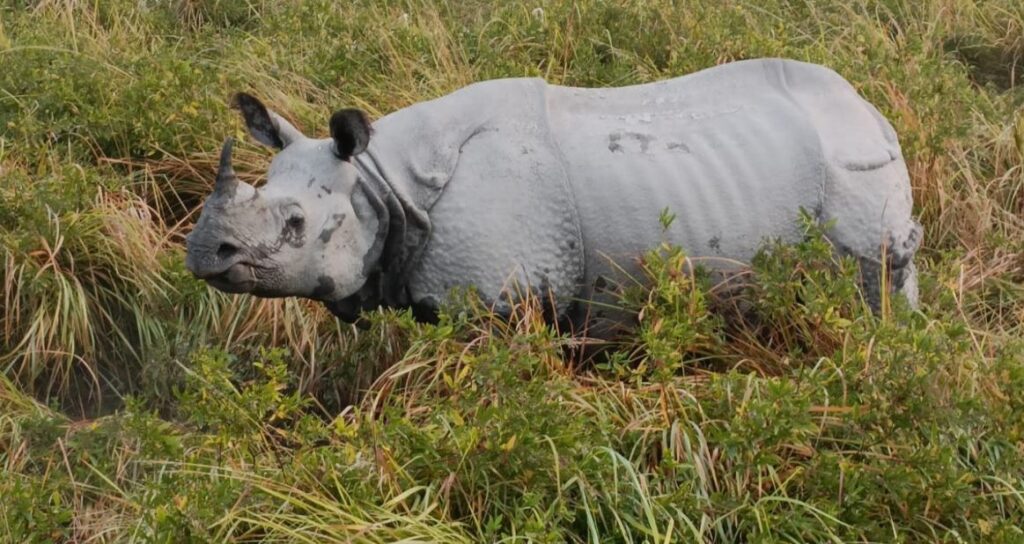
<point x="513" y="186"/>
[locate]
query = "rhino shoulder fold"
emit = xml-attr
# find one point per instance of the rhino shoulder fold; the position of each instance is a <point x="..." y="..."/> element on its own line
<point x="506" y="221"/>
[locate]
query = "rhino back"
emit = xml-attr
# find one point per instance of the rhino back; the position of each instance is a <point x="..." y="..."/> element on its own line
<point x="727" y="150"/>
<point x="513" y="173"/>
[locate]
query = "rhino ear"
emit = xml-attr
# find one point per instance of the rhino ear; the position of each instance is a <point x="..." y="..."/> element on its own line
<point x="350" y="129"/>
<point x="266" y="126"/>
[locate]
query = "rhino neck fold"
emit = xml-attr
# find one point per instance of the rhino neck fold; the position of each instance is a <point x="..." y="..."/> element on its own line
<point x="402" y="235"/>
<point x="407" y="164"/>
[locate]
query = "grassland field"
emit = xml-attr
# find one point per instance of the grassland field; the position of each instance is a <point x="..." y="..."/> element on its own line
<point x="137" y="404"/>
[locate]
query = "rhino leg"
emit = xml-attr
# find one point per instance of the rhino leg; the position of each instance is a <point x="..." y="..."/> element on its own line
<point x="907" y="286"/>
<point x="898" y="278"/>
<point x="871" y="210"/>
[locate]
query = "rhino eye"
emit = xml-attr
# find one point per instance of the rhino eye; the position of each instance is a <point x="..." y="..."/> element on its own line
<point x="296" y="222"/>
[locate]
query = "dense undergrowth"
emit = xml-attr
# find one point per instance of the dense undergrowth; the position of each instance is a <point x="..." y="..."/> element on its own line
<point x="136" y="404"/>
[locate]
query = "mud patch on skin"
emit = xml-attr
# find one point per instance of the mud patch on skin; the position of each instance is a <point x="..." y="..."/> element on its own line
<point x="324" y="287"/>
<point x="613" y="143"/>
<point x="678" y="146"/>
<point x="336" y="221"/>
<point x="620" y="142"/>
<point x="715" y="243"/>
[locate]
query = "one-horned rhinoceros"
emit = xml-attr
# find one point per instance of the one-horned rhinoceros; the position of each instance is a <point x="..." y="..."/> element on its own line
<point x="514" y="182"/>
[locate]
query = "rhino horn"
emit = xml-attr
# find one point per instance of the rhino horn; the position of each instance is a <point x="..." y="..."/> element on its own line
<point x="227" y="181"/>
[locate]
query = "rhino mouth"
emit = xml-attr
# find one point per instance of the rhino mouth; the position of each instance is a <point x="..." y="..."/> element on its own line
<point x="237" y="278"/>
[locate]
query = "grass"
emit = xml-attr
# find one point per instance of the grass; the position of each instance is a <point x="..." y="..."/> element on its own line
<point x="137" y="404"/>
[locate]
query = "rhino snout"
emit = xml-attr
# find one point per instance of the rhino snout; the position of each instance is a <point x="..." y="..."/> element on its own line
<point x="238" y="278"/>
<point x="205" y="261"/>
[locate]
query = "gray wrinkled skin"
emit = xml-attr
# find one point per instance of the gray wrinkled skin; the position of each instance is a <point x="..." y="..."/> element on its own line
<point x="515" y="184"/>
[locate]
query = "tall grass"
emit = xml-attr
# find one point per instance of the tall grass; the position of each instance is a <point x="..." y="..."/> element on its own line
<point x="137" y="404"/>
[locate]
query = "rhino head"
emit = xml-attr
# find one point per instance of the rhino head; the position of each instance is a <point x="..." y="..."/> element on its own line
<point x="306" y="232"/>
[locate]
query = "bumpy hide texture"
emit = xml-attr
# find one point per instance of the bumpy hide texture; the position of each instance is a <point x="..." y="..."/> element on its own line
<point x="515" y="185"/>
<point x="505" y="220"/>
<point x="734" y="151"/>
